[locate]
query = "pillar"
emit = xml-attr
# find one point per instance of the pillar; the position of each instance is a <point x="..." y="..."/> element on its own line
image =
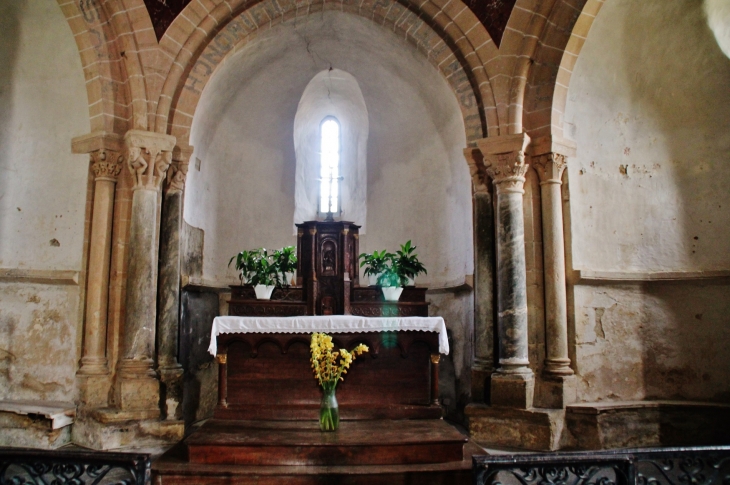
<point x="168" y="305"/>
<point x="148" y="157"/>
<point x="105" y="151"/>
<point x="513" y="383"/>
<point x="484" y="245"/>
<point x="549" y="161"/>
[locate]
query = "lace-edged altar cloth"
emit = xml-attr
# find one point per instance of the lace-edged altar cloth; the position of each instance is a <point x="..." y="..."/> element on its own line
<point x="327" y="324"/>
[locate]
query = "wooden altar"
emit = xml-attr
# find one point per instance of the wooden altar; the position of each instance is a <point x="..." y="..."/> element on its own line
<point x="265" y="428"/>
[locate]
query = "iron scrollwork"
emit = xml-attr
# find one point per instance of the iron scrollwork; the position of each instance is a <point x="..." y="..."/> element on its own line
<point x="658" y="466"/>
<point x="33" y="467"/>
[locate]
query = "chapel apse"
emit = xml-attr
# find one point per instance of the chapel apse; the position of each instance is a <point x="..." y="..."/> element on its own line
<point x="494" y="14"/>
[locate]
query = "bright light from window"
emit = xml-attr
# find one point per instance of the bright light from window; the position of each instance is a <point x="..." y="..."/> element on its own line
<point x="329" y="186"/>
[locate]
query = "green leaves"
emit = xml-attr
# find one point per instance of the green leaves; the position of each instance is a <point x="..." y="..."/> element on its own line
<point x="258" y="267"/>
<point x="376" y="262"/>
<point x="394" y="269"/>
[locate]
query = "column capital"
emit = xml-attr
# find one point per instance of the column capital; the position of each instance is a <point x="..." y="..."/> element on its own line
<point x="106" y="164"/>
<point x="504" y="159"/>
<point x="148" y="157"/>
<point x="478" y="171"/>
<point x="178" y="171"/>
<point x="550" y="167"/>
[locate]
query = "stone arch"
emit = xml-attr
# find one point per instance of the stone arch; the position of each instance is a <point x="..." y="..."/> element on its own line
<point x="555" y="58"/>
<point x="452" y="39"/>
<point x="114" y="38"/>
<point x="106" y="91"/>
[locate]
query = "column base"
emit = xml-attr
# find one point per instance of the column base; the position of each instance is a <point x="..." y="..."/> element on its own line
<point x="93" y="390"/>
<point x="110" y="429"/>
<point x="93" y="366"/>
<point x="512" y="390"/>
<point x="480" y="382"/>
<point x="139" y="394"/>
<point x="171" y="392"/>
<point x="533" y="429"/>
<point x="556" y="392"/>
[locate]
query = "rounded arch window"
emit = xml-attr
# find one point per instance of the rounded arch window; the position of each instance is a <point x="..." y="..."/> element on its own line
<point x="330" y="143"/>
<point x="329" y="166"/>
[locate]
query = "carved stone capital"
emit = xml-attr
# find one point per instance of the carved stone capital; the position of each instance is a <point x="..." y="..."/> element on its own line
<point x="148" y="157"/>
<point x="550" y="167"/>
<point x="504" y="161"/>
<point x="106" y="164"/>
<point x="507" y="171"/>
<point x="178" y="171"/>
<point x="477" y="170"/>
<point x="176" y="175"/>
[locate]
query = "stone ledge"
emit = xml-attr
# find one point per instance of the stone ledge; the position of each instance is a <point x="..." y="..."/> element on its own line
<point x="92" y="433"/>
<point x="631" y="424"/>
<point x="39" y="276"/>
<point x="527" y="429"/>
<point x="60" y="414"/>
<point x="36" y="424"/>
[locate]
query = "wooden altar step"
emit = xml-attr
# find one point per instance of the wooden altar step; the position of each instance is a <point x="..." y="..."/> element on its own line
<point x="375" y="442"/>
<point x="296" y="453"/>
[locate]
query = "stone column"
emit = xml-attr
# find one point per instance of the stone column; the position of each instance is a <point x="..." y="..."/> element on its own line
<point x="168" y="305"/>
<point x="549" y="161"/>
<point x="484" y="246"/>
<point x="148" y="157"/>
<point x="513" y="382"/>
<point x="106" y="163"/>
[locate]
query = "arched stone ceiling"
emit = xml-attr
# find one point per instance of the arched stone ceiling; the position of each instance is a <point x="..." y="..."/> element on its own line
<point x="494" y="14"/>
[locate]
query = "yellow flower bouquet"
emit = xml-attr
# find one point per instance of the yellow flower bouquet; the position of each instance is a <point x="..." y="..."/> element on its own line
<point x="329" y="365"/>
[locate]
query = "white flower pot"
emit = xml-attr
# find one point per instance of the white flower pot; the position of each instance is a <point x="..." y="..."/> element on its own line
<point x="410" y="281"/>
<point x="392" y="293"/>
<point x="263" y="292"/>
<point x="373" y="279"/>
<point x="290" y="280"/>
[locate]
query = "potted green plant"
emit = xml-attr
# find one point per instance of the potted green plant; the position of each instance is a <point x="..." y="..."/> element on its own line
<point x="408" y="263"/>
<point x="392" y="280"/>
<point x="375" y="264"/>
<point x="260" y="269"/>
<point x="286" y="258"/>
<point x="245" y="264"/>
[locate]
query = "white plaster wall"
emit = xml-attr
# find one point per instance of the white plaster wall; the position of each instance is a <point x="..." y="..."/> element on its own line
<point x="648" y="106"/>
<point x="418" y="181"/>
<point x="650" y="94"/>
<point x="43" y="105"/>
<point x="332" y="93"/>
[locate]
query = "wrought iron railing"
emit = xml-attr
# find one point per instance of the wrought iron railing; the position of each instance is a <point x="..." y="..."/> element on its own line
<point x="656" y="466"/>
<point x="34" y="467"/>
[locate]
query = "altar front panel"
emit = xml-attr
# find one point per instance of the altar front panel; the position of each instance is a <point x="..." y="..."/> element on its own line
<point x="269" y="376"/>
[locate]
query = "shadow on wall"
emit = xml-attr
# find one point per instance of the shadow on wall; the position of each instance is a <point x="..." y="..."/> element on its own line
<point x="680" y="77"/>
<point x="10" y="13"/>
<point x="200" y="381"/>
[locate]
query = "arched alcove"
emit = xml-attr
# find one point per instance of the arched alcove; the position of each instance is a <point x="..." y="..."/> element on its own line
<point x="332" y="93"/>
<point x="418" y="186"/>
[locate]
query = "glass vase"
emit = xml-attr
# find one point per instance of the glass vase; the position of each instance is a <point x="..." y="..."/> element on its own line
<point x="329" y="411"/>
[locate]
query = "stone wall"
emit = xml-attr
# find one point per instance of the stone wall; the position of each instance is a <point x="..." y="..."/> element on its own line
<point x="43" y="194"/>
<point x="647" y="106"/>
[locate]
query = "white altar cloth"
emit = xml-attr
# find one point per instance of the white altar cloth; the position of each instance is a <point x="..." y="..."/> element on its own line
<point x="326" y="323"/>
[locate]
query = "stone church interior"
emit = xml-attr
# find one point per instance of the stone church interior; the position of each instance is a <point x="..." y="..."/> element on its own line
<point x="561" y="166"/>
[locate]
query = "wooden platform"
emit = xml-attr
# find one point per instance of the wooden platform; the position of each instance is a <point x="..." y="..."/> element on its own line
<point x="297" y="453"/>
<point x="377" y="442"/>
